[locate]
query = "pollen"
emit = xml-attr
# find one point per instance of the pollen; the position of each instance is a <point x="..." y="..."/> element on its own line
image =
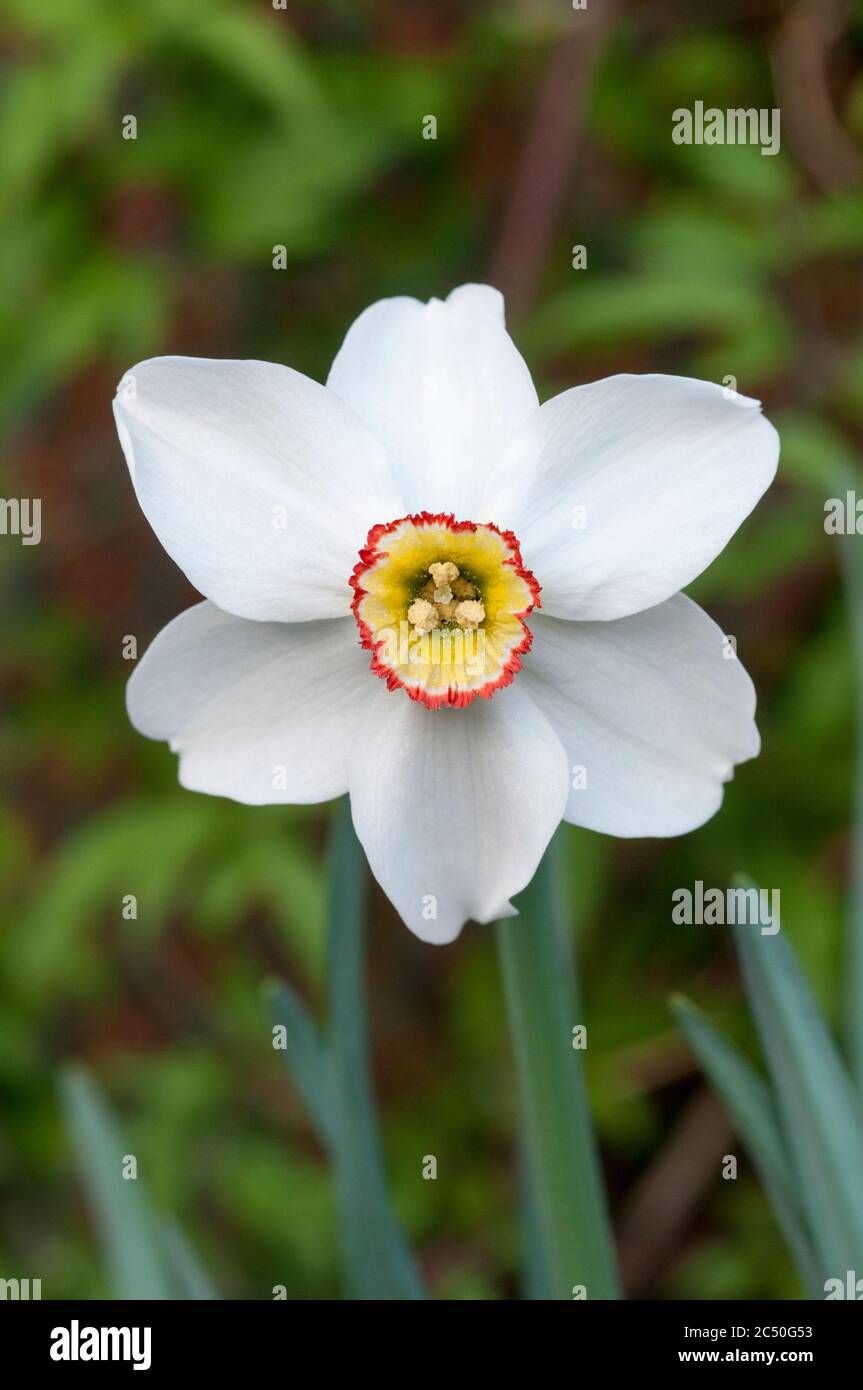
<point x="443" y="573"/>
<point x="447" y="597"/>
<point x="442" y="606"/>
<point x="469" y="614"/>
<point x="453" y="597"/>
<point x="423" y="615"/>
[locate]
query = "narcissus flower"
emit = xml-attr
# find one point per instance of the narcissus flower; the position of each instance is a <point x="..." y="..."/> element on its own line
<point x="461" y="607"/>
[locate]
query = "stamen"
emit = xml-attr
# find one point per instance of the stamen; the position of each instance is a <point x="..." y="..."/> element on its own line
<point x="443" y="574"/>
<point x="405" y="580"/>
<point x="469" y="614"/>
<point x="423" y="615"/>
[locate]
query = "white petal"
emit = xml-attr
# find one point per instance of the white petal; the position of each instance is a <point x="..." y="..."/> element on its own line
<point x="651" y="708"/>
<point x="623" y="491"/>
<point x="261" y="484"/>
<point x="443" y="386"/>
<point x="259" y="712"/>
<point x="455" y="807"/>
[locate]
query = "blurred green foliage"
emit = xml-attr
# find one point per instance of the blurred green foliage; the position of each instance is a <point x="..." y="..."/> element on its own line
<point x="258" y="128"/>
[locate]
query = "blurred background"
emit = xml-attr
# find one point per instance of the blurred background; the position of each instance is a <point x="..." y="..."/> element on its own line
<point x="301" y="128"/>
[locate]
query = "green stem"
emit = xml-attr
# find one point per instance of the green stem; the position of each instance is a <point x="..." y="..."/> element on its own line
<point x="852" y="566"/>
<point x="378" y="1263"/>
<point x="567" y="1198"/>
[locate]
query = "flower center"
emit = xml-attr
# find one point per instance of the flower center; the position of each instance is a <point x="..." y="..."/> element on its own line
<point x="441" y="604"/>
<point x="446" y="597"/>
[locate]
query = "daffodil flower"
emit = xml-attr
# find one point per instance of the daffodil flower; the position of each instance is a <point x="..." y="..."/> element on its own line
<point x="428" y="590"/>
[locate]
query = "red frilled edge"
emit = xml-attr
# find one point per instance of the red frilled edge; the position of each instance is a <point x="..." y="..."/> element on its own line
<point x="370" y="554"/>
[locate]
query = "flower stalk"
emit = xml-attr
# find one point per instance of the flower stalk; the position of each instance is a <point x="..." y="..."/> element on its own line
<point x="378" y="1263"/>
<point x="571" y="1235"/>
<point x="331" y="1068"/>
<point x="852" y="569"/>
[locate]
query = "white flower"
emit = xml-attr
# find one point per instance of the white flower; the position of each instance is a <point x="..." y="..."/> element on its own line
<point x="425" y="478"/>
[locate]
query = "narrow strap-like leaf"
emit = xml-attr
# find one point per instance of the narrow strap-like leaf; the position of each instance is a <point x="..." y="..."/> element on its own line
<point x="752" y="1110"/>
<point x="306" y="1057"/>
<point x="128" y="1230"/>
<point x="568" y="1201"/>
<point x="852" y="569"/>
<point x="819" y="1108"/>
<point x="535" y="1273"/>
<point x="189" y="1278"/>
<point x="378" y="1262"/>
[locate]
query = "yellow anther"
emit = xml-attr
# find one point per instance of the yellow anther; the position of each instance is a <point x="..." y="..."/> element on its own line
<point x="443" y="574"/>
<point x="469" y="614"/>
<point x="423" y="615"/>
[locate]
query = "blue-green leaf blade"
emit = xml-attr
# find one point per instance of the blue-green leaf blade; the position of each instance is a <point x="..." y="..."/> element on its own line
<point x="752" y="1111"/>
<point x="306" y="1056"/>
<point x="820" y="1109"/>
<point x="852" y="570"/>
<point x="566" y="1211"/>
<point x="189" y="1278"/>
<point x="378" y="1261"/>
<point x="127" y="1228"/>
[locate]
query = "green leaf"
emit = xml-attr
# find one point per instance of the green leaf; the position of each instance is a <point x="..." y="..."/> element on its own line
<point x="278" y="72"/>
<point x="188" y="1275"/>
<point x="535" y="1272"/>
<point x="147" y="1256"/>
<point x="610" y="309"/>
<point x="333" y="1077"/>
<point x="852" y="573"/>
<point x="378" y="1262"/>
<point x="92" y="871"/>
<point x="127" y="1227"/>
<point x="562" y="1161"/>
<point x="752" y="1111"/>
<point x="820" y="1111"/>
<point x="817" y="454"/>
<point x="306" y="1057"/>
